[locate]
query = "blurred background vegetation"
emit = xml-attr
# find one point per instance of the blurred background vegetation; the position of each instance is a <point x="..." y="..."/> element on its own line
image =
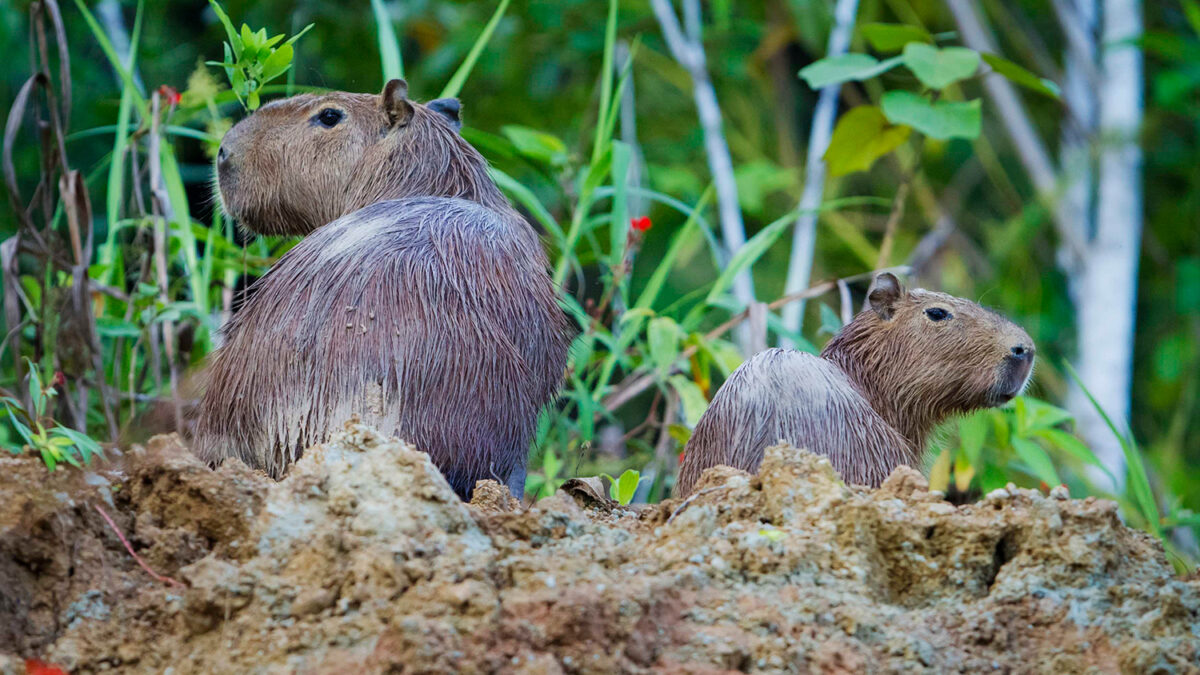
<point x="609" y="163"/>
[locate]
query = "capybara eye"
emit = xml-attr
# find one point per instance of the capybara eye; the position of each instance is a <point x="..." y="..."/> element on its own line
<point x="937" y="314"/>
<point x="329" y="117"/>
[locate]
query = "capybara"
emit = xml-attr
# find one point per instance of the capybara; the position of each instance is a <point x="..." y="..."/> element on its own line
<point x="908" y="362"/>
<point x="420" y="301"/>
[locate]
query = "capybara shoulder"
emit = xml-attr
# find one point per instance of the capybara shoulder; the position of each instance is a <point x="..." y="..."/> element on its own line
<point x="868" y="402"/>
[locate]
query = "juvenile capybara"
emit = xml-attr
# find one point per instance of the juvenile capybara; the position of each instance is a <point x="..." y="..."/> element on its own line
<point x="419" y="302"/>
<point x="908" y="362"/>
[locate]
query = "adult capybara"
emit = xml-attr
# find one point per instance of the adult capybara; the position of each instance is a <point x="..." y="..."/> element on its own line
<point x="423" y="306"/>
<point x="910" y="361"/>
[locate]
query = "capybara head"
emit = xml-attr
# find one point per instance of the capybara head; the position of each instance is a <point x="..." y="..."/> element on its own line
<point x="921" y="356"/>
<point x="301" y="162"/>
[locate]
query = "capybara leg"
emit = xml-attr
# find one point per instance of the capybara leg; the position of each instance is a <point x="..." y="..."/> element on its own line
<point x="516" y="482"/>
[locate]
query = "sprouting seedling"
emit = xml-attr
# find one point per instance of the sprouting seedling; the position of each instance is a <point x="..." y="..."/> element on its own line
<point x="252" y="59"/>
<point x="623" y="489"/>
<point x="53" y="441"/>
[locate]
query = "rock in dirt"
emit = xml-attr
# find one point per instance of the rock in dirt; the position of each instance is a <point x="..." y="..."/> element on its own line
<point x="363" y="560"/>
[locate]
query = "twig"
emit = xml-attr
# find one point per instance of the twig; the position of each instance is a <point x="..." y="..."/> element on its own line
<point x="137" y="558"/>
<point x="692" y="497"/>
<point x="893" y="221"/>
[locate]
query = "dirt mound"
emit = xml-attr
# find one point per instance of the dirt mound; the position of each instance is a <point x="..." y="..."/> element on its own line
<point x="363" y="560"/>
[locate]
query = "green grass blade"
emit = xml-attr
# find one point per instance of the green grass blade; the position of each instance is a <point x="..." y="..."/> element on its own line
<point x="1139" y="481"/>
<point x="455" y="85"/>
<point x="389" y="44"/>
<point x="182" y="225"/>
<point x="606" y="80"/>
<point x="116" y="168"/>
<point x="525" y="197"/>
<point x="111" y="53"/>
<point x="650" y="293"/>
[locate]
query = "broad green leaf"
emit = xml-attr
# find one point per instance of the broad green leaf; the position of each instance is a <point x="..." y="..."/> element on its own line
<point x="1042" y="415"/>
<point x="892" y="37"/>
<point x="537" y="145"/>
<point x="662" y="334"/>
<point x="277" y="63"/>
<point x="624" y="488"/>
<point x="846" y="67"/>
<point x="1036" y="459"/>
<point x="972" y="430"/>
<point x="861" y="136"/>
<point x="694" y="403"/>
<point x="942" y="120"/>
<point x="1019" y="76"/>
<point x="939" y="68"/>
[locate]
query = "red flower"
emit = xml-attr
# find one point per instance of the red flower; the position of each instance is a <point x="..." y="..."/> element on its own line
<point x="59" y="379"/>
<point x="169" y="94"/>
<point x="35" y="667"/>
<point x="640" y="224"/>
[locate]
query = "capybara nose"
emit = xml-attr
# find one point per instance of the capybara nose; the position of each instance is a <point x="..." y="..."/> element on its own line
<point x="1023" y="352"/>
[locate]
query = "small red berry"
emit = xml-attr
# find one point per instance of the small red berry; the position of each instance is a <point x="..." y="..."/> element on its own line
<point x="641" y="224"/>
<point x="169" y="94"/>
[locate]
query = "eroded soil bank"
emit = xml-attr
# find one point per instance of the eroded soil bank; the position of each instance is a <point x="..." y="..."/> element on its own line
<point x="363" y="560"/>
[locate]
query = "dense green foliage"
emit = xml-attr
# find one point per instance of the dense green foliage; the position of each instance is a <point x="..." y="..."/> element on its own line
<point x="542" y="87"/>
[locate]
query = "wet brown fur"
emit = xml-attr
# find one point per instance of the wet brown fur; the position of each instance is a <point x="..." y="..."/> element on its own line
<point x="424" y="307"/>
<point x="875" y="393"/>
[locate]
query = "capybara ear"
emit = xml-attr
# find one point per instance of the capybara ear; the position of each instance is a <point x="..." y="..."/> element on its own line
<point x="885" y="292"/>
<point x="396" y="104"/>
<point x="448" y="108"/>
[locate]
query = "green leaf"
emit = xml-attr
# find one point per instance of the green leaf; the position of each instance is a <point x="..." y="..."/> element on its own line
<point x="624" y="488"/>
<point x="940" y="68"/>
<point x="838" y="69"/>
<point x="662" y="334"/>
<point x="230" y="31"/>
<point x="942" y="120"/>
<point x="891" y="37"/>
<point x="277" y="63"/>
<point x="1019" y="76"/>
<point x="972" y="431"/>
<point x="537" y="145"/>
<point x="861" y="137"/>
<point x="108" y="326"/>
<point x="694" y="403"/>
<point x="1042" y="415"/>
<point x="1036" y="459"/>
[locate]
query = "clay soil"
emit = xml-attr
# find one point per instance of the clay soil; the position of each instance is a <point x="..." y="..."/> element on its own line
<point x="363" y="560"/>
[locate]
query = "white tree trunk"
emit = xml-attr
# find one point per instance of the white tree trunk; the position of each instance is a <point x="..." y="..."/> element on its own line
<point x="1106" y="288"/>
<point x="804" y="236"/>
<point x="688" y="50"/>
